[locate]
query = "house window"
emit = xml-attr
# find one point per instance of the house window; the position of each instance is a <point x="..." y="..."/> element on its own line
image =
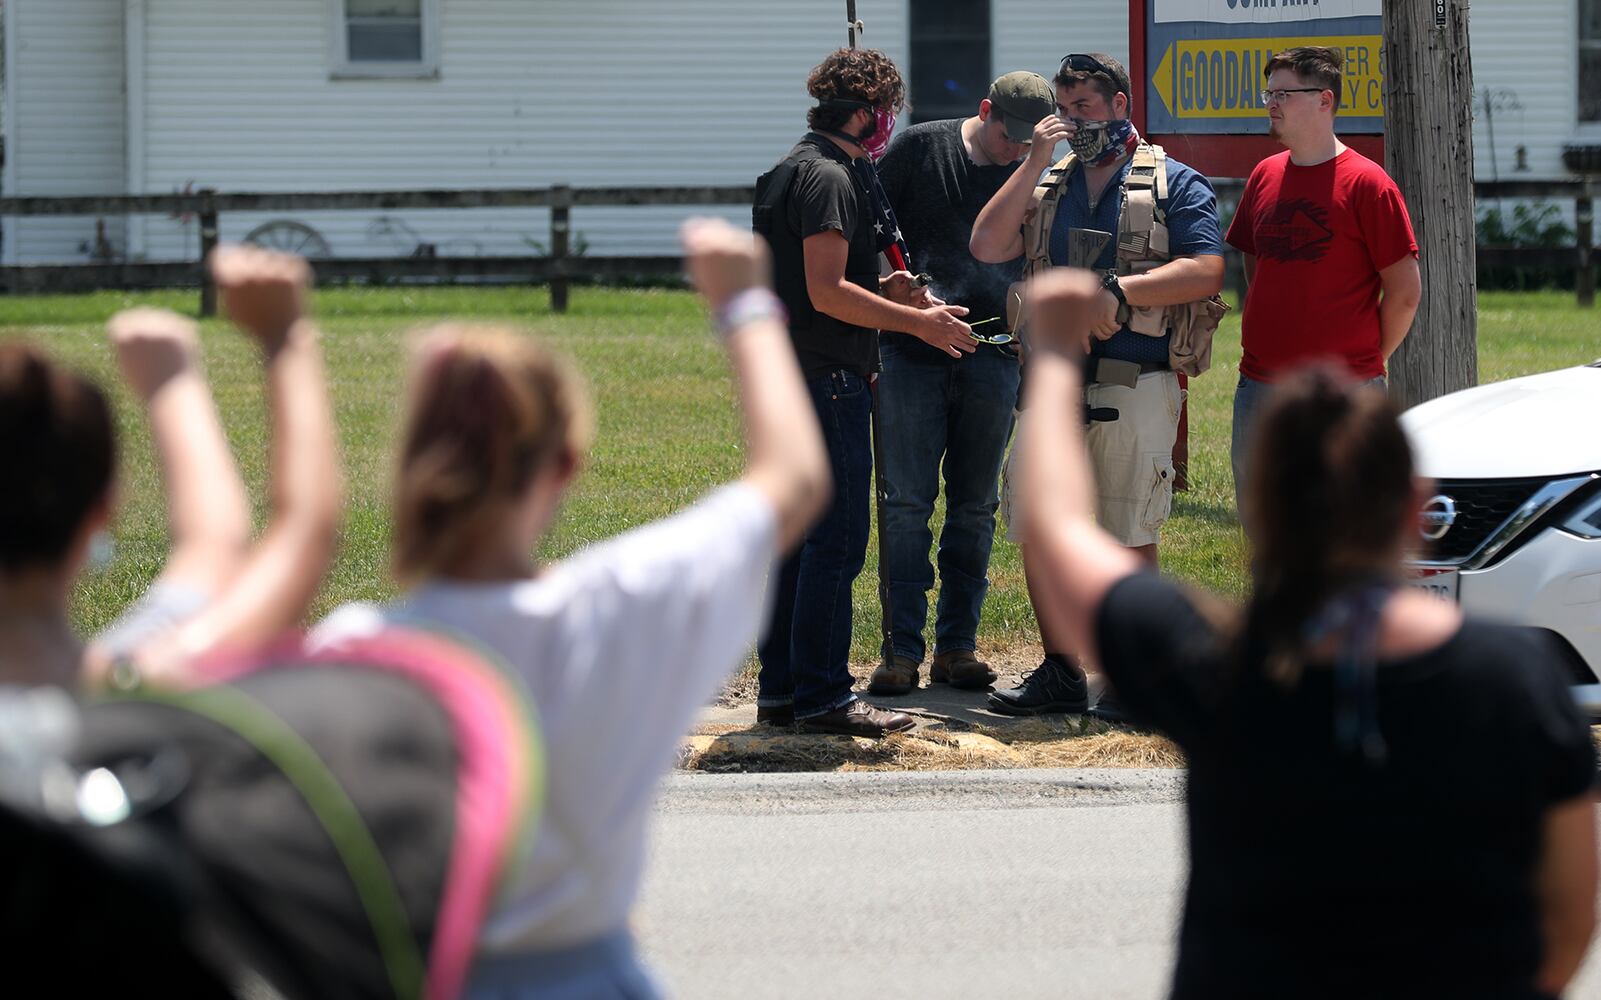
<point x="1590" y="60"/>
<point x="950" y="58"/>
<point x="386" y="38"/>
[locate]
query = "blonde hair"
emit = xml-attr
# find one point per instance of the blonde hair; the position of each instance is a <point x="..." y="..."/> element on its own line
<point x="489" y="409"/>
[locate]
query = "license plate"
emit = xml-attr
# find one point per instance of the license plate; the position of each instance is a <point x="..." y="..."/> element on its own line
<point x="1441" y="585"/>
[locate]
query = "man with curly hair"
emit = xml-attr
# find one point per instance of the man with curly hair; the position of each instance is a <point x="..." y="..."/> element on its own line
<point x="817" y="216"/>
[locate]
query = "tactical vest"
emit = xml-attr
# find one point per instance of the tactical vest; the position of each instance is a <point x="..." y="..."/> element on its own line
<point x="1142" y="245"/>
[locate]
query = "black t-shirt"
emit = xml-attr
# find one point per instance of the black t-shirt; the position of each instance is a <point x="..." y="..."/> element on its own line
<point x="823" y="196"/>
<point x="937" y="192"/>
<point x="1315" y="874"/>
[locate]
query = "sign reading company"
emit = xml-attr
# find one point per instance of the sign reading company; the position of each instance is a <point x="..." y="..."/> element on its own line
<point x="1263" y="11"/>
<point x="1206" y="59"/>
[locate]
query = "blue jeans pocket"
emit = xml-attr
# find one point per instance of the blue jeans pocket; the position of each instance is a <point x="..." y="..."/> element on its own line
<point x="846" y="384"/>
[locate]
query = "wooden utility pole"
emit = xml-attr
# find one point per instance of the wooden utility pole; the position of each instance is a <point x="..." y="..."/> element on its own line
<point x="1428" y="149"/>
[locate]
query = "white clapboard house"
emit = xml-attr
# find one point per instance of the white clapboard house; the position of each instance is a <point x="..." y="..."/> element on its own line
<point x="157" y="96"/>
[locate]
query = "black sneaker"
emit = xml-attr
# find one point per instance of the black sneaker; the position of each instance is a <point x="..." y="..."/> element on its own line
<point x="1053" y="686"/>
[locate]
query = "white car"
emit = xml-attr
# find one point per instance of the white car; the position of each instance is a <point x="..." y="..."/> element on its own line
<point x="1513" y="530"/>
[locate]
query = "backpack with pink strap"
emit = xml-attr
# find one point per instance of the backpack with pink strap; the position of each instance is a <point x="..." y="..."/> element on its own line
<point x="325" y="823"/>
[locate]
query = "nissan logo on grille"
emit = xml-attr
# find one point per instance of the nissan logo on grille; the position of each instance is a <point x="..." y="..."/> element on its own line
<point x="1437" y="517"/>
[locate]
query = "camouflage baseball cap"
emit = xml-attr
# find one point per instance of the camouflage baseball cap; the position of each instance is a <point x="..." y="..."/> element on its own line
<point x="1022" y="99"/>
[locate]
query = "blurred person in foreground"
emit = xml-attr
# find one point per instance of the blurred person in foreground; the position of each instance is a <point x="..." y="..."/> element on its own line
<point x="216" y="591"/>
<point x="1385" y="799"/>
<point x="620" y="645"/>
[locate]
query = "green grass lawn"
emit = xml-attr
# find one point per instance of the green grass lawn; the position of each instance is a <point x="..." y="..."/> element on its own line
<point x="667" y="425"/>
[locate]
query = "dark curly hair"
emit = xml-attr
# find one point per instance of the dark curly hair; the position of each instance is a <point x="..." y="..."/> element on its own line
<point x="866" y="75"/>
<point x="60" y="450"/>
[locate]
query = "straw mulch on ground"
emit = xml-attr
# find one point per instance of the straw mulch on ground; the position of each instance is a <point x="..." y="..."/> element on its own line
<point x="1056" y="742"/>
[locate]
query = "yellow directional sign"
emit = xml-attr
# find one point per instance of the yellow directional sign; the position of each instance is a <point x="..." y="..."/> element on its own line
<point x="1222" y="77"/>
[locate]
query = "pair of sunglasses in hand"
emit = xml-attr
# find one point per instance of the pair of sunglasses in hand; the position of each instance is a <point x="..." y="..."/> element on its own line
<point x="1003" y="337"/>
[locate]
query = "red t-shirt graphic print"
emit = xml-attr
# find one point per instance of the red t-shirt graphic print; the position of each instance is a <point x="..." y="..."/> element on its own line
<point x="1320" y="235"/>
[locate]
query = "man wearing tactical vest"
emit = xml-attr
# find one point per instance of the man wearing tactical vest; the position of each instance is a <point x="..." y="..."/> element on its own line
<point x="1149" y="224"/>
<point x="819" y="221"/>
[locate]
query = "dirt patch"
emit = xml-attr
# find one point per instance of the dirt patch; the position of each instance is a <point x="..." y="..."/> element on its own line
<point x="956" y="732"/>
<point x="1070" y="741"/>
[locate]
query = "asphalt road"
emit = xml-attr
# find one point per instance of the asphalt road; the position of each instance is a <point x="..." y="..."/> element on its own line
<point x="954" y="884"/>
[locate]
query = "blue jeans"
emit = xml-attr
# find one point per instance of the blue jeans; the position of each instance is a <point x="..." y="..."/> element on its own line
<point x="1249" y="398"/>
<point x="962" y="413"/>
<point x="607" y="968"/>
<point x="805" y="654"/>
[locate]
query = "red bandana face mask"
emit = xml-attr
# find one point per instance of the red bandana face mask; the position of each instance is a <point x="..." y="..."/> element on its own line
<point x="877" y="141"/>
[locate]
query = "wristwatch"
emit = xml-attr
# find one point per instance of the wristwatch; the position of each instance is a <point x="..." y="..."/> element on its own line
<point x="1111" y="284"/>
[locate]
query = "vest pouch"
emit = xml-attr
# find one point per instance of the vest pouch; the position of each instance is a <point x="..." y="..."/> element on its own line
<point x="1190" y="350"/>
<point x="1159" y="241"/>
<point x="1149" y="321"/>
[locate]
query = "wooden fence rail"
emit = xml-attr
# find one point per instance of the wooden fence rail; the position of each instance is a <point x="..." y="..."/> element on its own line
<point x="560" y="266"/>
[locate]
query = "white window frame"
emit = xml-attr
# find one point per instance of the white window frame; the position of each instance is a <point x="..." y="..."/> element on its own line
<point x="426" y="68"/>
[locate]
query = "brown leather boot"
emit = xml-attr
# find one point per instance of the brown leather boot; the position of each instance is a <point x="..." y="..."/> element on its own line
<point x="896" y="675"/>
<point x="858" y="719"/>
<point x="775" y="715"/>
<point x="960" y="668"/>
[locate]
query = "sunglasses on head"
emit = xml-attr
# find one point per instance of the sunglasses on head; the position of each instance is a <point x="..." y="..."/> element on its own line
<point x="1078" y="62"/>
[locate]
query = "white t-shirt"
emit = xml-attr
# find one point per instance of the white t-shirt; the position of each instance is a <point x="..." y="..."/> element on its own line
<point x="620" y="647"/>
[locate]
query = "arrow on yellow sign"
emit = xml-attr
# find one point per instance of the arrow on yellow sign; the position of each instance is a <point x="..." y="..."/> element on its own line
<point x="1222" y="77"/>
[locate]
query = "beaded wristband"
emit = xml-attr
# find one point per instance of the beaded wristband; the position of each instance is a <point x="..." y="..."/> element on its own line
<point x="750" y="306"/>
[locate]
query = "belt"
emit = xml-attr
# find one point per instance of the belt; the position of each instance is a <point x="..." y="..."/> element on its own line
<point x="1110" y="371"/>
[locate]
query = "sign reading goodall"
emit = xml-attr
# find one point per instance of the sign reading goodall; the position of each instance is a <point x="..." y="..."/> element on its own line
<point x="1206" y="59"/>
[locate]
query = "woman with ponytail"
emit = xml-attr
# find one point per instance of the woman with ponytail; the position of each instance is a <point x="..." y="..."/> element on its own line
<point x="619" y="646"/>
<point x="1385" y="800"/>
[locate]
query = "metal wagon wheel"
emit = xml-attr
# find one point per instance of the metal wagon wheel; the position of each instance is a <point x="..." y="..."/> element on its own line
<point x="290" y="236"/>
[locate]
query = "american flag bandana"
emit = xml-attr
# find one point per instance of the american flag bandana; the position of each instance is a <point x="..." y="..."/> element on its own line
<point x="886" y="231"/>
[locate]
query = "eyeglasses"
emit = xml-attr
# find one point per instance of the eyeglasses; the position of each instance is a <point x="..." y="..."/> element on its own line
<point x="1004" y="337"/>
<point x="1280" y="96"/>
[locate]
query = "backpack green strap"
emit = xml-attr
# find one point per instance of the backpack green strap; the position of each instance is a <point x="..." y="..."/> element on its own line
<point x="340" y="819"/>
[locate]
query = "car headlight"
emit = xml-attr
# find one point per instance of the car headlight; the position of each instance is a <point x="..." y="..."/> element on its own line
<point x="1585" y="520"/>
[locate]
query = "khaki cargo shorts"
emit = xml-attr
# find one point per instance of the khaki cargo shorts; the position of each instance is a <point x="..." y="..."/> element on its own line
<point x="1131" y="457"/>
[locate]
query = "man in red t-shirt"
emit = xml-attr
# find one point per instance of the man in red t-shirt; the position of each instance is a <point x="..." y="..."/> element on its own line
<point x="1330" y="258"/>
